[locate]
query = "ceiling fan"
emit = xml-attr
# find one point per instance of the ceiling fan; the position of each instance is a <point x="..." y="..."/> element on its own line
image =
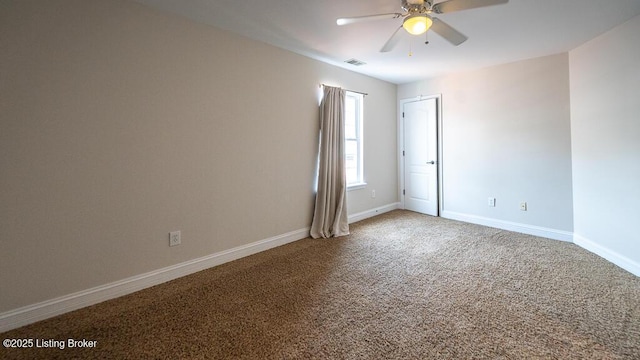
<point x="418" y="18"/>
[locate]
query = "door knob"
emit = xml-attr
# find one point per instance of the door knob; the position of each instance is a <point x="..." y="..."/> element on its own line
<point x="431" y="162"/>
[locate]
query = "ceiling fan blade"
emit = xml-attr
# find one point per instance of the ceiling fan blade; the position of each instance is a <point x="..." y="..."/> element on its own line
<point x="457" y="5"/>
<point x="447" y="32"/>
<point x="393" y="40"/>
<point x="356" y="19"/>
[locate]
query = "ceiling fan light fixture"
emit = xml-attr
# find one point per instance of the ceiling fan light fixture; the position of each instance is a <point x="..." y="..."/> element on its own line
<point x="417" y="24"/>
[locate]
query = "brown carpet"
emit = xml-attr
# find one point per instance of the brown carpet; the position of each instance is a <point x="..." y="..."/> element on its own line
<point x="402" y="286"/>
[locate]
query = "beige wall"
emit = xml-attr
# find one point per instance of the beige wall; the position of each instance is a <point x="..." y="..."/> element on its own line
<point x="605" y="134"/>
<point x="506" y="135"/>
<point x="120" y="124"/>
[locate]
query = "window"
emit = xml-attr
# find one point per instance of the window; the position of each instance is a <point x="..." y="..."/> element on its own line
<point x="353" y="138"/>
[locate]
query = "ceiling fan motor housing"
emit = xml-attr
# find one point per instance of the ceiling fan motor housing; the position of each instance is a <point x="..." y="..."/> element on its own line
<point x="414" y="7"/>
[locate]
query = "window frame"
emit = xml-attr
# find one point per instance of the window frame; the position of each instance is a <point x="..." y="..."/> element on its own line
<point x="359" y="183"/>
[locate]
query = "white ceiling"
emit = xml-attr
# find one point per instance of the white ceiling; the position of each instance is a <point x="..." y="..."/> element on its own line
<point x="498" y="34"/>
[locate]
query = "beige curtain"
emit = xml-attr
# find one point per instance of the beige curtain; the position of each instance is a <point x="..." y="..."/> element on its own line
<point x="330" y="215"/>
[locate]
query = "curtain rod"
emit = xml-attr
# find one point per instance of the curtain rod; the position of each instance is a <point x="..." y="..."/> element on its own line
<point x="353" y="91"/>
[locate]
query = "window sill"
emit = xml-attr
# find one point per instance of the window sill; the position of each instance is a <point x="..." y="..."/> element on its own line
<point x="357" y="186"/>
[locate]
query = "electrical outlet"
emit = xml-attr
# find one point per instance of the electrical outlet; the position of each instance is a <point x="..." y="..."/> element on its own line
<point x="492" y="202"/>
<point x="373" y="194"/>
<point x="174" y="238"/>
<point x="523" y="206"/>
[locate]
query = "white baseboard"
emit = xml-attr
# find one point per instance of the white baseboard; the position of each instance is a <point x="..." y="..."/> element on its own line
<point x="29" y="314"/>
<point x="611" y="256"/>
<point x="591" y="246"/>
<point x="511" y="226"/>
<point x="373" y="212"/>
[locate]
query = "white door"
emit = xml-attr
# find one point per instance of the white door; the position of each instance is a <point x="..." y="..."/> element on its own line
<point x="421" y="156"/>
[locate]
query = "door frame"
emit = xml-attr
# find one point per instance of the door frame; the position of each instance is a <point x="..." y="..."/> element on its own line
<point x="400" y="133"/>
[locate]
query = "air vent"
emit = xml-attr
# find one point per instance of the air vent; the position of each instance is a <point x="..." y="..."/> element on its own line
<point x="355" y="62"/>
